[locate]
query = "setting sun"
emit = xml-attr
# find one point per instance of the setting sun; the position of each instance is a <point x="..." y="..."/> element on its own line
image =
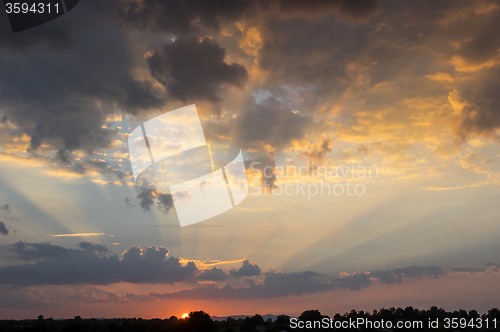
<point x="185" y="315"/>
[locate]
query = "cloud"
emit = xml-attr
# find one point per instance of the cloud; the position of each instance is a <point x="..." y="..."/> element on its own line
<point x="485" y="43"/>
<point x="281" y="284"/>
<point x="30" y="251"/>
<point x="475" y="104"/>
<point x="62" y="80"/>
<point x="147" y="199"/>
<point x="356" y="9"/>
<point x="409" y="272"/>
<point x="193" y="69"/>
<point x="247" y="269"/>
<point x="269" y="124"/>
<point x="466" y="269"/>
<point x="213" y="274"/>
<point x="178" y="17"/>
<point x="165" y="202"/>
<point x="318" y="153"/>
<point x="148" y="265"/>
<point x="3" y="229"/>
<point x="275" y="284"/>
<point x="205" y="183"/>
<point x="6" y="207"/>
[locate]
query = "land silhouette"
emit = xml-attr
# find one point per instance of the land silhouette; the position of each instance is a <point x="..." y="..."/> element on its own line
<point x="310" y="320"/>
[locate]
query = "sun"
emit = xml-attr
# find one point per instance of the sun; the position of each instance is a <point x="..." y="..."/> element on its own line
<point x="185" y="315"/>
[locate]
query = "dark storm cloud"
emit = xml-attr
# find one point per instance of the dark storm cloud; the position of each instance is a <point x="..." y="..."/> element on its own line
<point x="180" y="17"/>
<point x="269" y="123"/>
<point x="355" y="9"/>
<point x="58" y="35"/>
<point x="247" y="269"/>
<point x="3" y="229"/>
<point x="65" y="78"/>
<point x="481" y="113"/>
<point x="61" y="155"/>
<point x="259" y="125"/>
<point x="29" y="251"/>
<point x="486" y="42"/>
<point x="213" y="274"/>
<point x="148" y="265"/>
<point x="193" y="69"/>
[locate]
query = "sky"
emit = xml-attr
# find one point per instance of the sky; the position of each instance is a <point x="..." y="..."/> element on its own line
<point x="369" y="132"/>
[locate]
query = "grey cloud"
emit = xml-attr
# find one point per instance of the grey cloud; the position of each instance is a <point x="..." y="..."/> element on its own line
<point x="259" y="161"/>
<point x="3" y="229"/>
<point x="467" y="269"/>
<point x="68" y="76"/>
<point x="355" y="281"/>
<point x="275" y="284"/>
<point x="179" y="17"/>
<point x="247" y="269"/>
<point x="417" y="272"/>
<point x="148" y="197"/>
<point x="269" y="123"/>
<point x="280" y="284"/>
<point x="486" y="42"/>
<point x="101" y="166"/>
<point x="10" y="297"/>
<point x="29" y="251"/>
<point x="409" y="272"/>
<point x="480" y="115"/>
<point x="93" y="295"/>
<point x="213" y="274"/>
<point x="128" y="202"/>
<point x="6" y="207"/>
<point x="494" y="266"/>
<point x="86" y="165"/>
<point x="318" y="153"/>
<point x="193" y="69"/>
<point x="165" y="202"/>
<point x="148" y="265"/>
<point x="355" y="9"/>
<point x="58" y="35"/>
<point x="88" y="247"/>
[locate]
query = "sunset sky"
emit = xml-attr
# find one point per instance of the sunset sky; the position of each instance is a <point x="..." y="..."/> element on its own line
<point x="408" y="89"/>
